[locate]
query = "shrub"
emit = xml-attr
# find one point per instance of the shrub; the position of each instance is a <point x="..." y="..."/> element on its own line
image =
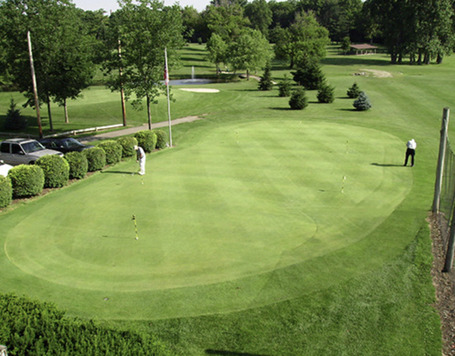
<point x="146" y="139"/>
<point x="309" y="75"/>
<point x="326" y="94"/>
<point x="284" y="87"/>
<point x="362" y="103"/>
<point x="266" y="82"/>
<point x="78" y="164"/>
<point x="127" y="143"/>
<point x="161" y="139"/>
<point x="6" y="192"/>
<point x="14" y="120"/>
<point x="298" y="99"/>
<point x="113" y="151"/>
<point x="26" y="180"/>
<point x="96" y="158"/>
<point x="354" y="91"/>
<point x="56" y="170"/>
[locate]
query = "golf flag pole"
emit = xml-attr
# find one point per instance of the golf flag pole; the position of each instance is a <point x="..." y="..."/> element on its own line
<point x="166" y="81"/>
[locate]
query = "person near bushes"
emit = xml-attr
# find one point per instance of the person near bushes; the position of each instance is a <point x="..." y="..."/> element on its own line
<point x="140" y="154"/>
<point x="411" y="146"/>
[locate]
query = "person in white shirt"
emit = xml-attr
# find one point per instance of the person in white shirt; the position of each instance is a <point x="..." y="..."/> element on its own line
<point x="411" y="146"/>
<point x="141" y="159"/>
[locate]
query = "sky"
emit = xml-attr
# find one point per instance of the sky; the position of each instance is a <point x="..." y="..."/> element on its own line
<point x="109" y="5"/>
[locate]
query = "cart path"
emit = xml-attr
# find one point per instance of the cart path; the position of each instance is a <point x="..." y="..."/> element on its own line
<point x="132" y="130"/>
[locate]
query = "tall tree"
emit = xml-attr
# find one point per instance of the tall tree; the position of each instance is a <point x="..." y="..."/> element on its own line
<point x="304" y="40"/>
<point x="60" y="48"/>
<point x="260" y="15"/>
<point x="226" y="20"/>
<point x="250" y="51"/>
<point x="217" y="49"/>
<point x="145" y="29"/>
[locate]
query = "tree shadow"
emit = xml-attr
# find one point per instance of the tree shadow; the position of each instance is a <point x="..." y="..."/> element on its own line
<point x="229" y="353"/>
<point x="386" y="165"/>
<point x="119" y="172"/>
<point x="356" y="60"/>
<point x="280" y="109"/>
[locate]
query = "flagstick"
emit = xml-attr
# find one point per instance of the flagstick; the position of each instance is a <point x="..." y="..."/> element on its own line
<point x="166" y="79"/>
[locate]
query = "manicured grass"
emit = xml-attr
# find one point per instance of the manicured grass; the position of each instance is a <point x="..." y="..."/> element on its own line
<point x="251" y="239"/>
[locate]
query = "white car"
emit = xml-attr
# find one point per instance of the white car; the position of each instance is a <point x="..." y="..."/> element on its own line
<point x="4" y="168"/>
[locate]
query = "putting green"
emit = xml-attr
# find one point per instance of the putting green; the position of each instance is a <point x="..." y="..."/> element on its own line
<point x="245" y="200"/>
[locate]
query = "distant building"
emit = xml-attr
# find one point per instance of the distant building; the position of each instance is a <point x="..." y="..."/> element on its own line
<point x="363" y="48"/>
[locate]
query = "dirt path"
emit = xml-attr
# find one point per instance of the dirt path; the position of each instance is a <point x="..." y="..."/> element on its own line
<point x="132" y="130"/>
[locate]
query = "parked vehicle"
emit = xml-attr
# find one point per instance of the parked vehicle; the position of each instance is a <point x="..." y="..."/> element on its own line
<point x="4" y="168"/>
<point x="23" y="151"/>
<point x="67" y="144"/>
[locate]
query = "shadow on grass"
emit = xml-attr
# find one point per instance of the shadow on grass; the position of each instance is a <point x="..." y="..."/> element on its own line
<point x="386" y="165"/>
<point x="119" y="172"/>
<point x="229" y="353"/>
<point x="281" y="109"/>
<point x="356" y="60"/>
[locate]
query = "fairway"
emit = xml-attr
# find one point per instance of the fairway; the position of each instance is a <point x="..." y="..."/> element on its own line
<point x="246" y="200"/>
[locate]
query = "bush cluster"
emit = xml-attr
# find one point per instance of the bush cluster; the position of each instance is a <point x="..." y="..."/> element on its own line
<point x="146" y="139"/>
<point x="127" y="144"/>
<point x="78" y="164"/>
<point x="113" y="151"/>
<point x="33" y="328"/>
<point x="56" y="171"/>
<point x="96" y="158"/>
<point x="26" y="180"/>
<point x="6" y="192"/>
<point x="161" y="139"/>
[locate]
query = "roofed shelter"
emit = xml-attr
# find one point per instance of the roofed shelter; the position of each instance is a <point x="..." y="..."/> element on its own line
<point x="363" y="48"/>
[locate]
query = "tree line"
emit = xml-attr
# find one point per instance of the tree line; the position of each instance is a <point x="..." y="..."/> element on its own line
<point x="70" y="45"/>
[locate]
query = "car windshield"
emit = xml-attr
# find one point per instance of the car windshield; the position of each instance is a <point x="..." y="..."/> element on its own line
<point x="32" y="146"/>
<point x="71" y="143"/>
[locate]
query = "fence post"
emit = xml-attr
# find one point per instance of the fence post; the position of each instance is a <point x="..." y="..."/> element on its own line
<point x="440" y="168"/>
<point x="450" y="247"/>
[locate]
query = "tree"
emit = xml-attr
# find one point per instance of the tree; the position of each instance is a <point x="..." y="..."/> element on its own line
<point x="304" y="40"/>
<point x="260" y="15"/>
<point x="266" y="82"/>
<point x="145" y="29"/>
<point x="354" y="91"/>
<point x="284" y="87"/>
<point x="298" y="100"/>
<point x="309" y="75"/>
<point x="326" y="93"/>
<point x="362" y="103"/>
<point x="61" y="48"/>
<point x="217" y="49"/>
<point x="250" y="51"/>
<point x="345" y="44"/>
<point x="226" y="20"/>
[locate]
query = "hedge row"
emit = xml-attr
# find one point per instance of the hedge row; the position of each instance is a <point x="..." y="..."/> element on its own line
<point x="53" y="171"/>
<point x="29" y="327"/>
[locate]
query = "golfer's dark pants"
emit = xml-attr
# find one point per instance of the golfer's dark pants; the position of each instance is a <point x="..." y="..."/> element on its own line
<point x="410" y="152"/>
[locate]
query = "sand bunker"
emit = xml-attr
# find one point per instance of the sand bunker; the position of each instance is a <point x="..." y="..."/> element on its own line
<point x="374" y="73"/>
<point x="200" y="90"/>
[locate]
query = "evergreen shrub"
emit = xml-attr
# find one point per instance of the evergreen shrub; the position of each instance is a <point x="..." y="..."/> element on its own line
<point x="127" y="143"/>
<point x="113" y="151"/>
<point x="354" y="91"/>
<point x="298" y="100"/>
<point x="266" y="82"/>
<point x="284" y="87"/>
<point x="14" y="120"/>
<point x="362" y="103"/>
<point x="326" y="94"/>
<point x="26" y="180"/>
<point x="161" y="139"/>
<point x="78" y="164"/>
<point x="32" y="328"/>
<point x="6" y="192"/>
<point x="146" y="139"/>
<point x="96" y="158"/>
<point x="56" y="171"/>
<point x="309" y="76"/>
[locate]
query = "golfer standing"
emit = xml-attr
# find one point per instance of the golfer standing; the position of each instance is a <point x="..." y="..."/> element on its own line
<point x="140" y="158"/>
<point x="410" y="151"/>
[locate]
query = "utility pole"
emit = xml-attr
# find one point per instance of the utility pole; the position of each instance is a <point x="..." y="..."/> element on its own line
<point x="120" y="72"/>
<point x="35" y="90"/>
